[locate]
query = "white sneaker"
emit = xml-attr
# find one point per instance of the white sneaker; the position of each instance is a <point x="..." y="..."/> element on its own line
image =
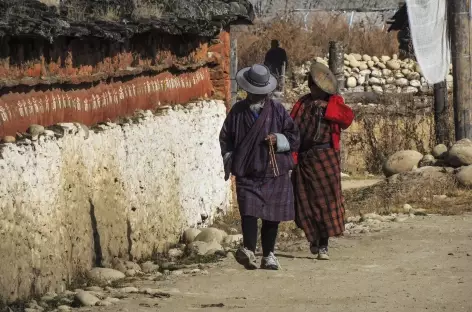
<point x="246" y="258"/>
<point x="270" y="262"/>
<point x="323" y="254"/>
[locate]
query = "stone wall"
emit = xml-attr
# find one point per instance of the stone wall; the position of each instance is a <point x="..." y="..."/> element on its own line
<point x="382" y="74"/>
<point x="75" y="197"/>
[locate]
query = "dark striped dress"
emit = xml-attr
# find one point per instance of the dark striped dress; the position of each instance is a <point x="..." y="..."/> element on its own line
<point x="319" y="204"/>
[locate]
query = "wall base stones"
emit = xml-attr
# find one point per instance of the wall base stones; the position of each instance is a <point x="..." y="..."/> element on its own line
<point x="69" y="203"/>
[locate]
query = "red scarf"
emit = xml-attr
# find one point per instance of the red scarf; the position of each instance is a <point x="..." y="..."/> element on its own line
<point x="340" y="115"/>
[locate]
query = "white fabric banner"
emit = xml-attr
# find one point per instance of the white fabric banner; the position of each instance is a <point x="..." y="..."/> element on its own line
<point x="428" y="26"/>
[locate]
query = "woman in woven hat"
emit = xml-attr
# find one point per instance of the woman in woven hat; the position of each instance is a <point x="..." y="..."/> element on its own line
<point x="256" y="141"/>
<point x="319" y="203"/>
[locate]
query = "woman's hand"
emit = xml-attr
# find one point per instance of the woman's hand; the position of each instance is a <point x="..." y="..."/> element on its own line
<point x="271" y="139"/>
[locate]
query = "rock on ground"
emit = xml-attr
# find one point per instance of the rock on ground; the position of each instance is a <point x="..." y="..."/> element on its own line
<point x="401" y="161"/>
<point x="190" y="235"/>
<point x="199" y="248"/>
<point x="86" y="299"/>
<point x="149" y="267"/>
<point x="211" y="234"/>
<point x="104" y="275"/>
<point x="460" y="153"/>
<point x="233" y="241"/>
<point x="464" y="176"/>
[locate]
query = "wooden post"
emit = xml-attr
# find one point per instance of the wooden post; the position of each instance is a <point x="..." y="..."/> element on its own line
<point x="336" y="62"/>
<point x="233" y="67"/>
<point x="460" y="49"/>
<point x="441" y="113"/>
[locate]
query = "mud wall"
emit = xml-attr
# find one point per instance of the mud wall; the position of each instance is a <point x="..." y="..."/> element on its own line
<point x="128" y="190"/>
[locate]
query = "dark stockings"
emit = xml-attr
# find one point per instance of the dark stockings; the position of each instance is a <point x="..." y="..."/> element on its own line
<point x="268" y="234"/>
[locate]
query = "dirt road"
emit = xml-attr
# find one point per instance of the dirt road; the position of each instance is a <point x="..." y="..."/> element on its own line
<point x="424" y="264"/>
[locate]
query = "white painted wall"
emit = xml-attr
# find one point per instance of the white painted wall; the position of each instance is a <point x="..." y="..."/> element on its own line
<point x="145" y="182"/>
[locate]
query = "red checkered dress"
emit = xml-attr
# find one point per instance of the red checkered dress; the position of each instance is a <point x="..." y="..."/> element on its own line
<point x="319" y="204"/>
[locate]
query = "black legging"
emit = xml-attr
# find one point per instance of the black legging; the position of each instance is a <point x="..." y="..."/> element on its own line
<point x="268" y="234"/>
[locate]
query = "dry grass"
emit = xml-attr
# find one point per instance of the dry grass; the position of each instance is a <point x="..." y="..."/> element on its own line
<point x="145" y="9"/>
<point x="302" y="45"/>
<point x="418" y="191"/>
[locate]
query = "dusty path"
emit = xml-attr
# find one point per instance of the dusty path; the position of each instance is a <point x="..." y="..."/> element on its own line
<point x="424" y="264"/>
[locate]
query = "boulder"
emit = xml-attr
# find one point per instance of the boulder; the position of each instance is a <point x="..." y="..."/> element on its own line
<point x="189" y="235"/>
<point x="440" y="151"/>
<point x="464" y="176"/>
<point x="104" y="275"/>
<point x="460" y="154"/>
<point x="211" y="234"/>
<point x="401" y="161"/>
<point x="200" y="248"/>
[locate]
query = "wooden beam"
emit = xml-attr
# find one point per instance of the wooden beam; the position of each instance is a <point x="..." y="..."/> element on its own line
<point x="459" y="26"/>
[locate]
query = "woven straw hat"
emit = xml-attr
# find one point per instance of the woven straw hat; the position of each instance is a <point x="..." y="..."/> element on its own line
<point x="324" y="78"/>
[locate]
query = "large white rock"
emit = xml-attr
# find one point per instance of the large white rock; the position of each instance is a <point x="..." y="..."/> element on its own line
<point x="211" y="234"/>
<point x="464" y="176"/>
<point x="401" y="161"/>
<point x="460" y="153"/>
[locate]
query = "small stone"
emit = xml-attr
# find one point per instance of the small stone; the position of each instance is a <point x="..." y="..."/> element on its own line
<point x="374" y="81"/>
<point x="202" y="248"/>
<point x="385" y="58"/>
<point x="440" y="197"/>
<point x="415" y="83"/>
<point x="63" y="308"/>
<point x="402" y="82"/>
<point x="440" y="151"/>
<point x="407" y="208"/>
<point x="35" y="130"/>
<point x="377" y="89"/>
<point x="233" y="240"/>
<point x="9" y="139"/>
<point x="86" y="299"/>
<point x="393" y="65"/>
<point x="381" y="65"/>
<point x="427" y="160"/>
<point x="112" y="300"/>
<point x="131" y="273"/>
<point x="149" y="267"/>
<point x="351" y="82"/>
<point x="175" y="253"/>
<point x="129" y="290"/>
<point x="104" y="303"/>
<point x="366" y="58"/>
<point x="177" y="273"/>
<point x="105" y="275"/>
<point x="371" y="64"/>
<point x="450" y="254"/>
<point x="410" y="89"/>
